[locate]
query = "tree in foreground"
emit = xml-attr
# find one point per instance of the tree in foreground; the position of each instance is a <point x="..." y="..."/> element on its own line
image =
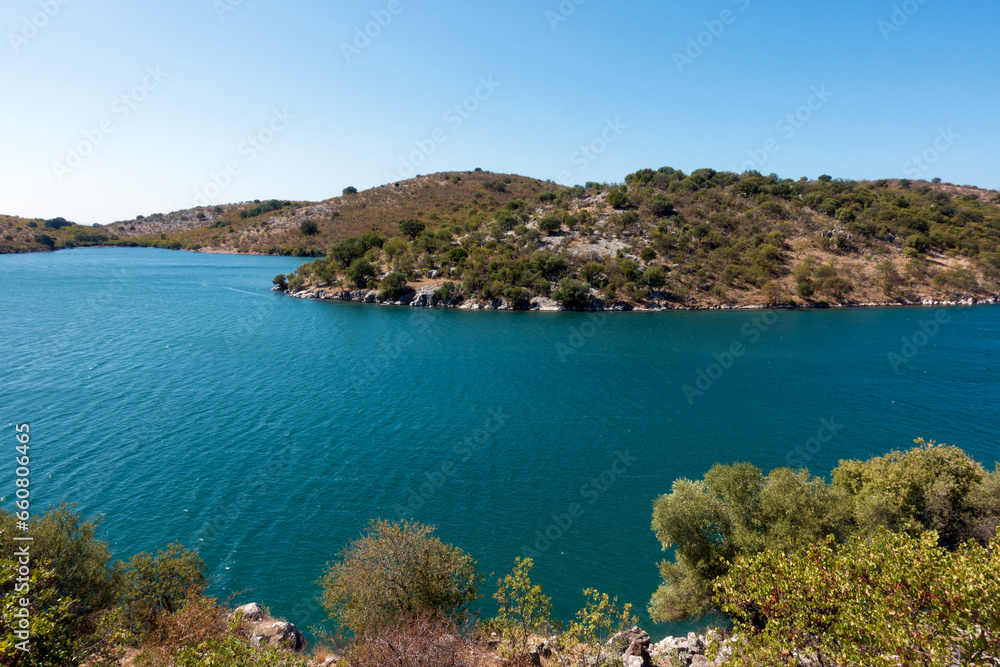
<point x="884" y="601"/>
<point x="587" y="638"/>
<point x="737" y="511"/>
<point x="398" y="570"/>
<point x="522" y="609"/>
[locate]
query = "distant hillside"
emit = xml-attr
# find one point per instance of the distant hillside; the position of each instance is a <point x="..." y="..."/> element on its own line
<point x="705" y="239"/>
<point x="664" y="236"/>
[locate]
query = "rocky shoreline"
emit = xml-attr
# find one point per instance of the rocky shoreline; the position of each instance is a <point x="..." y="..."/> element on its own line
<point x="424" y="298"/>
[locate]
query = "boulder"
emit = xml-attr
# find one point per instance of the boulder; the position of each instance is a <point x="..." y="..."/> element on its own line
<point x="542" y="303"/>
<point x="636" y="655"/>
<point x="281" y="633"/>
<point x="424" y="297"/>
<point x="252" y="612"/>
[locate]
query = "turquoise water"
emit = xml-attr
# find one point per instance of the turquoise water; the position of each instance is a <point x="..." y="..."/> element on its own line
<point x="175" y="394"/>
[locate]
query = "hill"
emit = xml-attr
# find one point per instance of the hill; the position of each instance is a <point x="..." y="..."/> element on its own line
<point x="702" y="239"/>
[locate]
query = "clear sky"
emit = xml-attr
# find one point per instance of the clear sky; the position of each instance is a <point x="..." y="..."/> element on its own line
<point x="115" y="109"/>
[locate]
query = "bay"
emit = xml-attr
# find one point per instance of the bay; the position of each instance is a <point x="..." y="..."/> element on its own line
<point x="179" y="397"/>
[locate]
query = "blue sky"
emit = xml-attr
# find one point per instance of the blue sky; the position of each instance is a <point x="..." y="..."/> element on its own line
<point x="112" y="110"/>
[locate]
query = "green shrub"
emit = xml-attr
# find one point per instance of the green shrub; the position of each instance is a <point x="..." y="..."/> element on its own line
<point x="309" y="228"/>
<point x="393" y="286"/>
<point x="572" y="293"/>
<point x="396" y="571"/>
<point x="892" y="599"/>
<point x="522" y="608"/>
<point x="617" y="199"/>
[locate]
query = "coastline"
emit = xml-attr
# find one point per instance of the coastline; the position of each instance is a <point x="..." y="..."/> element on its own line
<point x="424" y="298"/>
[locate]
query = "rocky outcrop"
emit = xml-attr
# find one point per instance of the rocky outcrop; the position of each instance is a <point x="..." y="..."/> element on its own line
<point x="265" y="629"/>
<point x="251" y="612"/>
<point x="277" y="633"/>
<point x="690" y="651"/>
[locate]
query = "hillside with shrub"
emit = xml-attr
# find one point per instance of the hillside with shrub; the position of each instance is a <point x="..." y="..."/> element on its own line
<point x="660" y="238"/>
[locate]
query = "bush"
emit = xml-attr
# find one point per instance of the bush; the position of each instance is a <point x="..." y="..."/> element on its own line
<point x="412" y="228"/>
<point x="393" y="286"/>
<point x="360" y="272"/>
<point x="421" y="641"/>
<point x="572" y="293"/>
<point x="843" y="605"/>
<point x="617" y="199"/>
<point x="588" y="636"/>
<point x="157" y="585"/>
<point x="518" y="297"/>
<point x="396" y="572"/>
<point x="446" y="292"/>
<point x="309" y="228"/>
<point x="659" y="206"/>
<point x="748" y="512"/>
<point x="349" y="190"/>
<point x="280" y="280"/>
<point x="550" y="224"/>
<point x="522" y="608"/>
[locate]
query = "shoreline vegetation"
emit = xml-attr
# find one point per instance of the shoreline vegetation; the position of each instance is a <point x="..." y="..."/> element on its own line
<point x="661" y="239"/>
<point x="795" y="565"/>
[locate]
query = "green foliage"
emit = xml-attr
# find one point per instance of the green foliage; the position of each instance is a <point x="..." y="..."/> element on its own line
<point x="360" y="272"/>
<point x="522" y="608"/>
<point x="398" y="570"/>
<point x="280" y="280"/>
<point x="344" y="253"/>
<point x="154" y="585"/>
<point x="412" y="228"/>
<point x="393" y="286"/>
<point x="68" y="544"/>
<point x="45" y="239"/>
<point x="659" y="206"/>
<point x="617" y="199"/>
<point x="889" y="600"/>
<point x="309" y="228"/>
<point x="446" y="292"/>
<point x="587" y="636"/>
<point x="572" y="293"/>
<point x="933" y="487"/>
<point x="518" y="297"/>
<point x="349" y="190"/>
<point x="57" y="629"/>
<point x="234" y="650"/>
<point x="550" y="223"/>
<point x="735" y="510"/>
